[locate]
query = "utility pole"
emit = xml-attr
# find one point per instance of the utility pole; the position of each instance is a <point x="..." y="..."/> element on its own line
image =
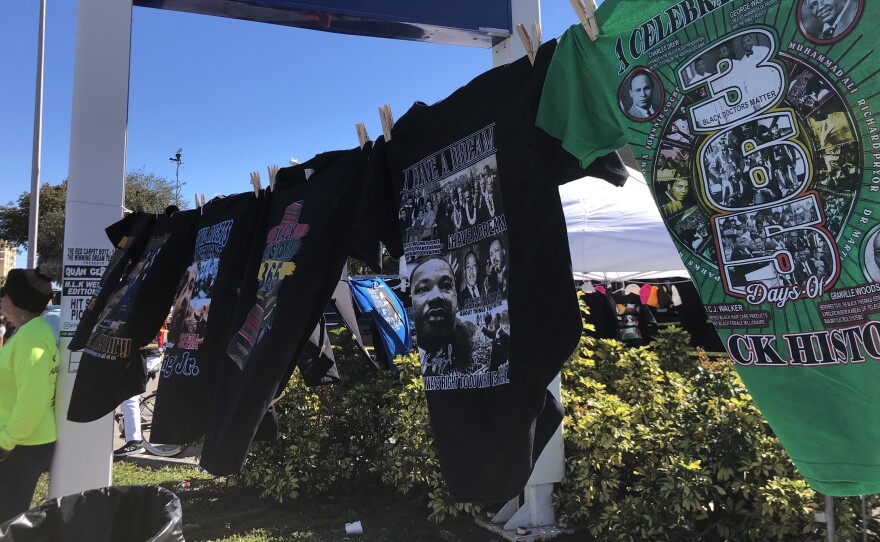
<point x="34" y="215"/>
<point x="177" y="160"/>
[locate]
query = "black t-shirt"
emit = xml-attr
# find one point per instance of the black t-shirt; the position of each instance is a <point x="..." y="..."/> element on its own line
<point x="111" y="369"/>
<point x="201" y="318"/>
<point x="469" y="194"/>
<point x="317" y="363"/>
<point x="128" y="235"/>
<point x="603" y="316"/>
<point x="290" y="279"/>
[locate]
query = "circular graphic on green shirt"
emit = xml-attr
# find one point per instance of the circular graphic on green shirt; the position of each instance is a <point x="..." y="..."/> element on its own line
<point x="871" y="254"/>
<point x="757" y="174"/>
<point x="827" y="21"/>
<point x="640" y="95"/>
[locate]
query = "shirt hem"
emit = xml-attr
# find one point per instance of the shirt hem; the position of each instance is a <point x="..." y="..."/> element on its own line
<point x="27" y="442"/>
<point x="841" y="480"/>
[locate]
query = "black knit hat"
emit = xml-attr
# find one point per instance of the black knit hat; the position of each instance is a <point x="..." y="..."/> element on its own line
<point x="21" y="288"/>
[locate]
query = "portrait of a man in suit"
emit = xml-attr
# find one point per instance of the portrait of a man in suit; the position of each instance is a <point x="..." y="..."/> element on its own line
<point x="872" y="257"/>
<point x="472" y="288"/>
<point x="829" y="19"/>
<point x="640" y="98"/>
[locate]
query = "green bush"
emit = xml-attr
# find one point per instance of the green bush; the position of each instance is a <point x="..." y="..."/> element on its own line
<point x="661" y="444"/>
<point x="654" y="454"/>
<point x="372" y="427"/>
<point x="665" y="445"/>
<point x="410" y="464"/>
<point x="328" y="436"/>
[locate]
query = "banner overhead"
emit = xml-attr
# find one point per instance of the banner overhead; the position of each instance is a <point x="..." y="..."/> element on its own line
<point x="453" y="22"/>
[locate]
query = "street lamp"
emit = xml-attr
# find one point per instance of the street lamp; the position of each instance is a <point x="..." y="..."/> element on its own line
<point x="177" y="160"/>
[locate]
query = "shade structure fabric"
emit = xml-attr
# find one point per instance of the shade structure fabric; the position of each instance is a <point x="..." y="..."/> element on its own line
<point x="617" y="230"/>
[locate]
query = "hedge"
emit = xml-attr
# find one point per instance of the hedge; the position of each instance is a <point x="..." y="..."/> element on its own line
<point x="660" y="444"/>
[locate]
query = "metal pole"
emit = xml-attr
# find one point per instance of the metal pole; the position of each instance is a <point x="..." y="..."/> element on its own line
<point x="829" y="516"/>
<point x="38" y="127"/>
<point x="864" y="520"/>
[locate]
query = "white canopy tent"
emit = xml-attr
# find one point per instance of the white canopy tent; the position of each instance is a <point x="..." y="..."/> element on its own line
<point x="617" y="233"/>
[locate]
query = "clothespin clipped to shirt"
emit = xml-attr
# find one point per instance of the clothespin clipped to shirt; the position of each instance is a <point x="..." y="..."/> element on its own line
<point x="198" y="203"/>
<point x="255" y="180"/>
<point x="202" y="204"/>
<point x="272" y="171"/>
<point x="586" y="12"/>
<point x="363" y="136"/>
<point x="530" y="46"/>
<point x="387" y="121"/>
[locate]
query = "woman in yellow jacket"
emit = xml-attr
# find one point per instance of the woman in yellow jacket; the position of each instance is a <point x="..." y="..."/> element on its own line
<point x="28" y="371"/>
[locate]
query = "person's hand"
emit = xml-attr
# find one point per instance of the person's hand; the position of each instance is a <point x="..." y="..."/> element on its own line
<point x="672" y="207"/>
<point x="4" y="453"/>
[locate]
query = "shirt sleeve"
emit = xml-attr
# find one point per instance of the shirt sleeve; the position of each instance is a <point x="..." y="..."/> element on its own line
<point x="574" y="104"/>
<point x="119" y="229"/>
<point x="35" y="392"/>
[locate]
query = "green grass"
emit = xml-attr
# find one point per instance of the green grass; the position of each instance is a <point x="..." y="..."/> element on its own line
<point x="215" y="509"/>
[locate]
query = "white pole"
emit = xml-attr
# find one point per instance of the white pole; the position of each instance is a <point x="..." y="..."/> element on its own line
<point x="35" y="158"/>
<point x="95" y="186"/>
<point x="523" y="12"/>
<point x="537" y="510"/>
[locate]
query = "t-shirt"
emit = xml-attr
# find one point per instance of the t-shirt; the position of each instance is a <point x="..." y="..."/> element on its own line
<point x="111" y="369"/>
<point x="390" y="327"/>
<point x="128" y="235"/>
<point x="494" y="303"/>
<point x="201" y="318"/>
<point x="773" y="147"/>
<point x="602" y="314"/>
<point x="317" y="363"/>
<point x="292" y="273"/>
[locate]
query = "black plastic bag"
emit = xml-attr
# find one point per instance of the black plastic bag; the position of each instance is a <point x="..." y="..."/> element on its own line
<point x="109" y="514"/>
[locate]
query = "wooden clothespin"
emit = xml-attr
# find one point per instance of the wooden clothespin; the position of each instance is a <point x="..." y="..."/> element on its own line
<point x="273" y="172"/>
<point x="202" y="205"/>
<point x="255" y="180"/>
<point x="387" y="121"/>
<point x="198" y="204"/>
<point x="530" y="46"/>
<point x="586" y="12"/>
<point x="363" y="136"/>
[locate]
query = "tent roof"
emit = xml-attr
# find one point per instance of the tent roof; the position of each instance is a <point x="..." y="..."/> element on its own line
<point x="617" y="230"/>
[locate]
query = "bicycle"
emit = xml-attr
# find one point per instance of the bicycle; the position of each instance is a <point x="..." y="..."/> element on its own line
<point x="147" y="405"/>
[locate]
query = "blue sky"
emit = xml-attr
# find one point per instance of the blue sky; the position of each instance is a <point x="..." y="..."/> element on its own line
<point x="236" y="95"/>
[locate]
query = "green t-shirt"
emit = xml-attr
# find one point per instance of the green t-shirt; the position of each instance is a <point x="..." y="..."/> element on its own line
<point x="754" y="123"/>
<point x="28" y="371"/>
